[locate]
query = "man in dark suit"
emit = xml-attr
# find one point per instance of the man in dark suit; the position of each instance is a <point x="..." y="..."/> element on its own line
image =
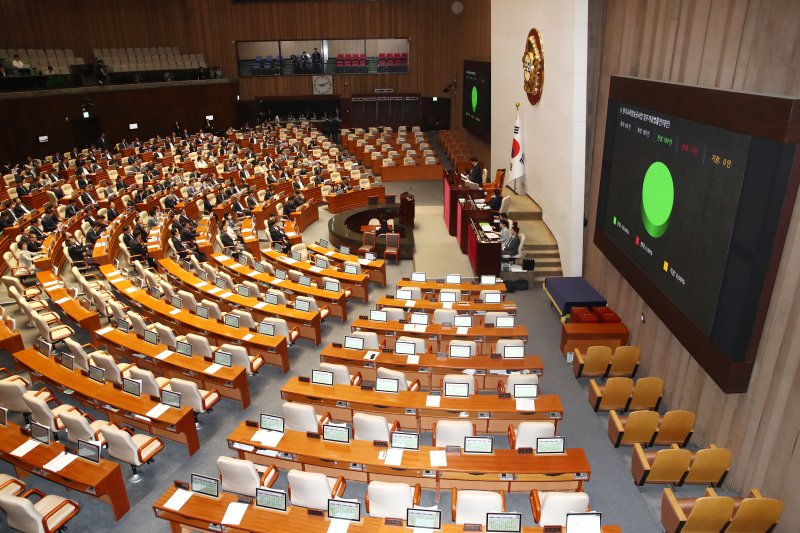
<point x="72" y="208"/>
<point x="20" y="209"/>
<point x="496" y="201"/>
<point x="476" y="173"/>
<point x="171" y="201"/>
<point x="87" y="198"/>
<point x="93" y="234"/>
<point x="512" y="248"/>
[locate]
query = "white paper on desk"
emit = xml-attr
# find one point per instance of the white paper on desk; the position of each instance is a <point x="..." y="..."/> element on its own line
<point x="226" y="294"/>
<point x="245" y="447"/>
<point x="59" y="462"/>
<point x="268" y="453"/>
<point x="112" y="274"/>
<point x="412" y="360"/>
<point x="410" y="303"/>
<point x="131" y="289"/>
<point x="315" y="269"/>
<point x="223" y="257"/>
<point x="290" y="234"/>
<point x="433" y="400"/>
<point x="462" y="331"/>
<point x="289" y="260"/>
<point x="163" y="355"/>
<point x="116" y="280"/>
<point x="267" y="438"/>
<point x="24" y="448"/>
<point x="104" y="330"/>
<point x="234" y="513"/>
<point x="212" y="369"/>
<point x="420" y="328"/>
<point x="277" y="281"/>
<point x="200" y="283"/>
<point x="50" y="283"/>
<point x="177" y="500"/>
<point x="253" y="273"/>
<point x="247" y="337"/>
<point x="394" y="457"/>
<point x="438" y="458"/>
<point x="260" y="305"/>
<point x="371" y="355"/>
<point x="329" y="252"/>
<point x="408" y="327"/>
<point x="157" y="410"/>
<point x="447" y="305"/>
<point x="175" y="311"/>
<point x="337" y="525"/>
<point x="364" y="262"/>
<point x="214" y="290"/>
<point x="62" y="300"/>
<point x="526" y="404"/>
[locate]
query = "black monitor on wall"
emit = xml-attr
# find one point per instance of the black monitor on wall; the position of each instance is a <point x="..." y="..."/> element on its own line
<point x="695" y="199"/>
<point x="477" y="98"/>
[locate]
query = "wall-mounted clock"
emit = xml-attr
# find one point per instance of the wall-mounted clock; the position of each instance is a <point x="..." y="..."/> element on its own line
<point x="533" y="66"/>
<point x="322" y="84"/>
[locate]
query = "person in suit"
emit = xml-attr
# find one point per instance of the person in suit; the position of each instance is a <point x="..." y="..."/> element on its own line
<point x="111" y="213"/>
<point x="153" y="217"/>
<point x="93" y="234"/>
<point x="171" y="201"/>
<point x="8" y="209"/>
<point x="136" y="247"/>
<point x="101" y="142"/>
<point x="77" y="251"/>
<point x="20" y="209"/>
<point x="22" y="190"/>
<point x="496" y="201"/>
<point x="297" y="183"/>
<point x="6" y="220"/>
<point x="276" y="234"/>
<point x="476" y="173"/>
<point x="127" y="236"/>
<point x="180" y="248"/>
<point x="512" y="247"/>
<point x="239" y="208"/>
<point x="87" y="198"/>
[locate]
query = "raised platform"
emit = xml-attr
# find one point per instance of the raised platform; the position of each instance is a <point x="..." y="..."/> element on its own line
<point x="344" y="229"/>
<point x="540" y="245"/>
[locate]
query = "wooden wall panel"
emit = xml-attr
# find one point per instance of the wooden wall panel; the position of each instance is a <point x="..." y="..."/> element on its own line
<point x="748" y="45"/>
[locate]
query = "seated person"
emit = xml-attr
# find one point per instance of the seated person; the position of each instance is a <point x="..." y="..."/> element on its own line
<point x="505" y="234"/>
<point x="496" y="201"/>
<point x="512" y="247"/>
<point x="135" y="243"/>
<point x="277" y="235"/>
<point x="93" y="234"/>
<point x="383" y="229"/>
<point x="78" y="252"/>
<point x="50" y="219"/>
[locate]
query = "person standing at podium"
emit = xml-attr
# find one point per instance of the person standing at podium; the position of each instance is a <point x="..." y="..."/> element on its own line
<point x="476" y="173"/>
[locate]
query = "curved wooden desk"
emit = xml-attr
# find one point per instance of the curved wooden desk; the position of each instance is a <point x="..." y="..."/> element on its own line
<point x="55" y="289"/>
<point x="357" y="283"/>
<point x="120" y="407"/>
<point x="490" y="413"/>
<point x="102" y="480"/>
<point x="360" y="461"/>
<point x="430" y="369"/>
<point x="470" y="308"/>
<point x="340" y="202"/>
<point x="376" y="269"/>
<point x="472" y="290"/>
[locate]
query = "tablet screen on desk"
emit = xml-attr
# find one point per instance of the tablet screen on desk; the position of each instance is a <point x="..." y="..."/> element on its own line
<point x="418" y="276"/>
<point x="96" y="373"/>
<point x="40" y="433"/>
<point x="208" y="486"/>
<point x="387" y="385"/>
<point x="231" y="321"/>
<point x="332" y="286"/>
<point x="353" y="343"/>
<point x="265" y="328"/>
<point x="377" y="316"/>
<point x="277" y="247"/>
<point x="545" y="445"/>
<point x="458" y="351"/>
<point x="223" y="358"/>
<point x="272" y="423"/>
<point x="370" y="256"/>
<point x="453" y="279"/>
<point x="335" y="433"/>
<point x="478" y="444"/>
<point x="304" y="280"/>
<point x="202" y="312"/>
<point x="322" y="377"/>
<point x="302" y="305"/>
<point x="322" y="262"/>
<point x="183" y="348"/>
<point x="67" y="361"/>
<point x="151" y="336"/>
<point x="526" y="390"/>
<point x="345" y="250"/>
<point x="260" y="267"/>
<point x="423" y="518"/>
<point x="462" y="321"/>
<point x="88" y="451"/>
<point x="175" y="302"/>
<point x="405" y="440"/>
<point x="297" y="256"/>
<point x="488" y="280"/>
<point x="220" y="282"/>
<point x="403" y="294"/>
<point x="504" y="322"/>
<point x="344" y="510"/>
<point x="243" y="291"/>
<point x="324" y="243"/>
<point x="3" y="416"/>
<point x="447" y="296"/>
<point x="280" y="274"/>
<point x="173" y="399"/>
<point x="242" y="260"/>
<point x="405" y="348"/>
<point x="271" y="499"/>
<point x="420" y="319"/>
<point x="123" y="325"/>
<point x="202" y="274"/>
<point x="513" y="352"/>
<point x="132" y="386"/>
<point x="503" y="522"/>
<point x="492" y="297"/>
<point x="583" y="523"/>
<point x="456" y="390"/>
<point x="351" y="269"/>
<point x="271" y="299"/>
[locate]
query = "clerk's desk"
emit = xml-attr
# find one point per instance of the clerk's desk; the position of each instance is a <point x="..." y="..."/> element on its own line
<point x="430" y="369"/>
<point x="471" y="290"/>
<point x="489" y="412"/>
<point x="230" y="382"/>
<point x="504" y="469"/>
<point x="205" y="513"/>
<point x="102" y="480"/>
<point x="273" y="349"/>
<point x="357" y="283"/>
<point x="376" y="269"/>
<point x="306" y="321"/>
<point x="335" y="300"/>
<point x="467" y="308"/>
<point x="437" y="337"/>
<point x="341" y="202"/>
<point x="120" y="407"/>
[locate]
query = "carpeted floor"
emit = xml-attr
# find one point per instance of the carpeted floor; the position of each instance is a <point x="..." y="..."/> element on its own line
<point x="611" y="489"/>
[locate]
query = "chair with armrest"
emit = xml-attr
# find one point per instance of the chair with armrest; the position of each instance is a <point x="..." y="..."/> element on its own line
<point x="394" y="314"/>
<point x="341" y="376"/>
<point x="13" y="389"/>
<point x="313" y="490"/>
<point x="593" y="364"/>
<point x="675" y="427"/>
<point x="526" y="433"/>
<point x="79" y="427"/>
<point x="695" y="515"/>
<point x="280" y="295"/>
<point x="302" y="417"/>
<point x="419" y="344"/>
<point x="471" y="506"/>
<point x="241" y="476"/>
<point x="201" y="346"/>
<point x="188" y="300"/>
<point x="646" y="394"/>
<point x="151" y="384"/>
<point x="638" y="426"/>
<point x="114" y="372"/>
<point x="245" y="318"/>
<point x="240" y="357"/>
<point x="614" y="394"/>
<point x="551" y="508"/>
<point x="373" y="427"/>
<point x="459" y="378"/>
<point x="624" y="362"/>
<point x="49" y="316"/>
<point x="214" y="312"/>
<point x="27" y="292"/>
<point x="442" y="316"/>
<point x="517" y="378"/>
<point x="78" y="351"/>
<point x="670" y="465"/>
<point x="391" y="500"/>
<point x="503" y="343"/>
<point x="452" y="432"/>
<point x="49" y="514"/>
<point x="51" y="334"/>
<point x="139" y="324"/>
<point x="255" y="292"/>
<point x="166" y="336"/>
<point x="282" y="329"/>
<point x="400" y="376"/>
<point x="392" y="247"/>
<point x="10" y="486"/>
<point x="41" y="413"/>
<point x="131" y="448"/>
<point x="201" y="401"/>
<point x="709" y="466"/>
<point x="755" y="513"/>
<point x="370" y="339"/>
<point x="313" y="307"/>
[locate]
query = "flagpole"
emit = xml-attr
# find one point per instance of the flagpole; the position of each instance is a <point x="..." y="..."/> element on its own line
<point x="514" y="182"/>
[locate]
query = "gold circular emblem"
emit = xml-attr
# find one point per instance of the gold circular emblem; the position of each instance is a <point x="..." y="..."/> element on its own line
<point x="533" y="66"/>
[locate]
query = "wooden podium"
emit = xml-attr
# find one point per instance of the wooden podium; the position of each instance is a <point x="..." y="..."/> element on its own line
<point x="407" y="210"/>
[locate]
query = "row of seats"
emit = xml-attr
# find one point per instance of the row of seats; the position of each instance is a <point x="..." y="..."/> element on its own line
<point x="60" y="57"/>
<point x="138" y="59"/>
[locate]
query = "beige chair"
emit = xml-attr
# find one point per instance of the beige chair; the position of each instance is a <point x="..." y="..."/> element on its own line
<point x="201" y="401"/>
<point x="313" y="490"/>
<point x="200" y="345"/>
<point x="341" y="375"/>
<point x="282" y="329"/>
<point x="313" y="307"/>
<point x="373" y="427"/>
<point x="444" y="316"/>
<point x="526" y="433"/>
<point x="10" y="486"/>
<point x="113" y="371"/>
<point x="241" y="476"/>
<point x="551" y="508"/>
<point x="516" y="378"/>
<point x="452" y="432"/>
<point x="13" y="389"/>
<point x="391" y="500"/>
<point x="42" y="414"/>
<point x="419" y="344"/>
<point x="240" y="357"/>
<point x="151" y="384"/>
<point x="51" y="334"/>
<point x="135" y="450"/>
<point x="79" y="428"/>
<point x="459" y="378"/>
<point x="400" y="376"/>
<point x="394" y="314"/>
<point x="302" y="417"/>
<point x="471" y="506"/>
<point x="49" y="514"/>
<point x="370" y="339"/>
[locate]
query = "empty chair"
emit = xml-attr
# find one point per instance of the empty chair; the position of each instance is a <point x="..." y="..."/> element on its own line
<point x="368" y="241"/>
<point x="525" y="435"/>
<point x="405" y="384"/>
<point x="241" y="476"/>
<point x="51" y="334"/>
<point x="27" y="292"/>
<point x="492" y="316"/>
<point x="301" y="249"/>
<point x="187" y="300"/>
<point x="245" y="318"/>
<point x="484" y="293"/>
<point x="79" y="428"/>
<point x="280" y="295"/>
<point x="139" y="324"/>
<point x="594" y="363"/>
<point x="82" y="359"/>
<point x="151" y="384"/>
<point x="675" y="427"/>
<point x="639" y="426"/>
<point x="391" y="500"/>
<point x="471" y="506"/>
<point x="517" y="378"/>
<point x="372" y="427"/>
<point x="708" y="513"/>
<point x="313" y="490"/>
<point x="394" y="314"/>
<point x="42" y="414"/>
<point x="214" y="312"/>
<point x="323" y="311"/>
<point x="419" y="344"/>
<point x="282" y="329"/>
<point x="370" y="339"/>
<point x="444" y="316"/>
<point x="10" y="486"/>
<point x="646" y="394"/>
<point x="392" y="245"/>
<point x="614" y="394"/>
<point x="709" y="466"/>
<point x="341" y="375"/>
<point x="166" y="336"/>
<point x="50" y="513"/>
<point x="302" y="417"/>
<point x="416" y="292"/>
<point x="459" y="378"/>
<point x="240" y="357"/>
<point x="112" y="371"/>
<point x="503" y="343"/>
<point x="756" y="513"/>
<point x="200" y="345"/>
<point x="624" y="362"/>
<point x="669" y="465"/>
<point x="133" y="449"/>
<point x="201" y="401"/>
<point x="452" y="432"/>
<point x="253" y="288"/>
<point x="551" y="508"/>
<point x="12" y="394"/>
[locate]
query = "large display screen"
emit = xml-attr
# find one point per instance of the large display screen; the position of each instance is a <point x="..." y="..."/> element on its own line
<point x="477" y="98"/>
<point x="695" y="198"/>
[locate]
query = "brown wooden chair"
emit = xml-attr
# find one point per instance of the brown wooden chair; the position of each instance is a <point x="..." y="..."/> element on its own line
<point x="639" y="426"/>
<point x="392" y="247"/>
<point x="615" y="394"/>
<point x="624" y="362"/>
<point x="756" y="513"/>
<point x="709" y="466"/>
<point x="368" y="240"/>
<point x="670" y="465"/>
<point x="593" y="364"/>
<point x="675" y="427"/>
<point x="646" y="395"/>
<point x="695" y="515"/>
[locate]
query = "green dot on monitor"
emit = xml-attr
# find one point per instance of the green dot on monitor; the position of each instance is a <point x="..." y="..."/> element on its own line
<point x="658" y="198"/>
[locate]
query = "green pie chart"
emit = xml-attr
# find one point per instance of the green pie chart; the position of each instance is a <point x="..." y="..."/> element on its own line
<point x="474" y="99"/>
<point x="658" y="198"/>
